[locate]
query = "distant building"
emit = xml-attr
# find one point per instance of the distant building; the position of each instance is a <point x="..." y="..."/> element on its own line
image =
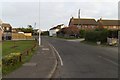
<point x="109" y="24"/>
<point x="53" y="31"/>
<point x="7" y="31"/>
<point x="1" y="32"/>
<point x="83" y="23"/>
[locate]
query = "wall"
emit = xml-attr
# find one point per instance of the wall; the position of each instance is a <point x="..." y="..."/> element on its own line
<point x="21" y="36"/>
<point x="52" y="32"/>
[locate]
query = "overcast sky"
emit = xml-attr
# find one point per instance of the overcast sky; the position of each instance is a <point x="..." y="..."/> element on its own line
<point x="20" y="13"/>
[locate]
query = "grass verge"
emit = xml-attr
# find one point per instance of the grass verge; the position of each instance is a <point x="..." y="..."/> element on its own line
<point x="15" y="46"/>
<point x="71" y="38"/>
<point x="95" y="44"/>
<point x="8" y="69"/>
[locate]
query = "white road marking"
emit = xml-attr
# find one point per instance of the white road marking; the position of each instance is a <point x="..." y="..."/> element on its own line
<point x="30" y="64"/>
<point x="109" y="60"/>
<point x="45" y="48"/>
<point x="61" y="61"/>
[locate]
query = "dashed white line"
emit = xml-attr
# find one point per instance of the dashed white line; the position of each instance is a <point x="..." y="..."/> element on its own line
<point x="61" y="61"/>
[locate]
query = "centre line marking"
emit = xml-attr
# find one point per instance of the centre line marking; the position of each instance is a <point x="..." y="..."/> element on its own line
<point x="61" y="61"/>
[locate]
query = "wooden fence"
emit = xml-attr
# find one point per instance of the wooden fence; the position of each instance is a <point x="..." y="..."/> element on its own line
<point x="12" y="60"/>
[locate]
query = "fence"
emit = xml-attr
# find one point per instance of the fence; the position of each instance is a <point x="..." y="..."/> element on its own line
<point x="13" y="58"/>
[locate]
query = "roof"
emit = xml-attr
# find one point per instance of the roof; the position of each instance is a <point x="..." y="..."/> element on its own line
<point x="1" y="22"/>
<point x="6" y="25"/>
<point x="1" y="28"/>
<point x="57" y="27"/>
<point x="83" y="21"/>
<point x="110" y="22"/>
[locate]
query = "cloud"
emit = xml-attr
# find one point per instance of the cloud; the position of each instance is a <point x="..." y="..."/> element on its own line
<point x="51" y="13"/>
<point x="20" y="14"/>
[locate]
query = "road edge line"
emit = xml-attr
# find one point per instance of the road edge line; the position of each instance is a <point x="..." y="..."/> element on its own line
<point x="55" y="66"/>
<point x="61" y="61"/>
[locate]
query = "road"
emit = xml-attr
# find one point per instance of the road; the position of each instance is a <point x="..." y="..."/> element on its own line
<point x="84" y="61"/>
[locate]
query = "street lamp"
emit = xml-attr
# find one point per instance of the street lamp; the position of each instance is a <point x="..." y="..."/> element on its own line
<point x="39" y="37"/>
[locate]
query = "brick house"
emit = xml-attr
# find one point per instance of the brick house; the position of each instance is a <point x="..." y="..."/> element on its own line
<point x="7" y="34"/>
<point x="109" y="24"/>
<point x="1" y="31"/>
<point x="83" y="23"/>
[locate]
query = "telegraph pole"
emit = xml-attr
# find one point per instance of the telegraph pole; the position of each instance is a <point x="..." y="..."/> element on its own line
<point x="39" y="37"/>
<point x="79" y="18"/>
<point x="39" y="26"/>
<point x="79" y="14"/>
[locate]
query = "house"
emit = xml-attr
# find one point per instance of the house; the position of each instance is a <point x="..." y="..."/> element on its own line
<point x="1" y="32"/>
<point x="7" y="34"/>
<point x="109" y="24"/>
<point x="83" y="23"/>
<point x="53" y="31"/>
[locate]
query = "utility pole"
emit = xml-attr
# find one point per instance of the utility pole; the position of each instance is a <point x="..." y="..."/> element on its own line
<point x="39" y="26"/>
<point x="79" y="18"/>
<point x="79" y="14"/>
<point x="39" y="37"/>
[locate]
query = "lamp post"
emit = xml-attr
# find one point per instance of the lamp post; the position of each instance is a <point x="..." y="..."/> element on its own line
<point x="39" y="37"/>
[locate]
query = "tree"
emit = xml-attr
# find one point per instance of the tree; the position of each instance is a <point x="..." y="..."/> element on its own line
<point x="29" y="29"/>
<point x="82" y="33"/>
<point x="72" y="30"/>
<point x="69" y="31"/>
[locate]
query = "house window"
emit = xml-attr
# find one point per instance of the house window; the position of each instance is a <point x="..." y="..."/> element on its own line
<point x="85" y="26"/>
<point x="105" y="26"/>
<point x="114" y="27"/>
<point x="79" y="26"/>
<point x="7" y="28"/>
<point x="92" y="26"/>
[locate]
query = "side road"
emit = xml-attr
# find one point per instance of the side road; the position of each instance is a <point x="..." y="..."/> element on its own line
<point x="42" y="64"/>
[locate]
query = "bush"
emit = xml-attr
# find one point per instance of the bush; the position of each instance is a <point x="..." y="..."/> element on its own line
<point x="11" y="59"/>
<point x="96" y="35"/>
<point x="82" y="33"/>
<point x="113" y="33"/>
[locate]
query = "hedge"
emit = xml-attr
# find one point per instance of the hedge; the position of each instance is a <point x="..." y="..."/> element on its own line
<point x="113" y="33"/>
<point x="95" y="36"/>
<point x="11" y="59"/>
<point x="82" y="33"/>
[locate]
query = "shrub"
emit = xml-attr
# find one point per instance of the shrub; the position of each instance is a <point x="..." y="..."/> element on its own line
<point x="82" y="33"/>
<point x="95" y="36"/>
<point x="113" y="33"/>
<point x="11" y="59"/>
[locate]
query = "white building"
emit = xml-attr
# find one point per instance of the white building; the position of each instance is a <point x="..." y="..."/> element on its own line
<point x="53" y="31"/>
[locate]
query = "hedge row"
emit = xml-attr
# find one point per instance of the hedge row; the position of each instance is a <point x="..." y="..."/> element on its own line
<point x="14" y="58"/>
<point x="95" y="36"/>
<point x="11" y="59"/>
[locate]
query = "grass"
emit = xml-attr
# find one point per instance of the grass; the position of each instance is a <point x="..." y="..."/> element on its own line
<point x="8" y="69"/>
<point x="15" y="46"/>
<point x="90" y="43"/>
<point x="20" y="46"/>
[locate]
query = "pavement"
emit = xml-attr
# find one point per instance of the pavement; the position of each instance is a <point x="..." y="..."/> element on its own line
<point x="42" y="65"/>
<point x="85" y="61"/>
